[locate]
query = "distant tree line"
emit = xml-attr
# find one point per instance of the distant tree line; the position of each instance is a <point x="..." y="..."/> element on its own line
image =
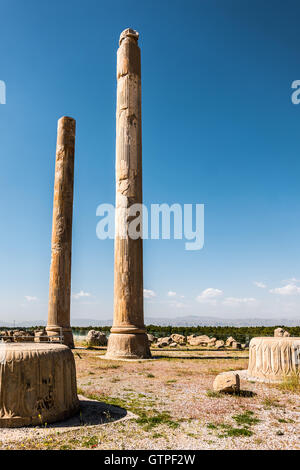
<point x="241" y="334"/>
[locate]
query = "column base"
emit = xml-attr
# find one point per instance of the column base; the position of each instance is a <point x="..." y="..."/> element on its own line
<point x="128" y="346"/>
<point x="66" y="332"/>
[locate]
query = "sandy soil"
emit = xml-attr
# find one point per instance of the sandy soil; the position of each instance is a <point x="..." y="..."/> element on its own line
<point x="168" y="403"/>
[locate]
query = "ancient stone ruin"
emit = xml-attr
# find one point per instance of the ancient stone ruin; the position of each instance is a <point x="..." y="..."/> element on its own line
<point x="280" y="332"/>
<point x="37" y="384"/>
<point x="38" y="377"/>
<point x="25" y="336"/>
<point x="227" y="382"/>
<point x="128" y="338"/>
<point x="60" y="270"/>
<point x="273" y="359"/>
<point x="96" y="338"/>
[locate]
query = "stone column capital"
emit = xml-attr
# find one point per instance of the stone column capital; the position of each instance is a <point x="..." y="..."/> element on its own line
<point x="129" y="33"/>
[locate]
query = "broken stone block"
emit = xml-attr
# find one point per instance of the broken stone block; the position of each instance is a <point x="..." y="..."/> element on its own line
<point x="227" y="382"/>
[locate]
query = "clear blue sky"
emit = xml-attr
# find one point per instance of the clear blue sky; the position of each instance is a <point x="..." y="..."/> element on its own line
<point x="219" y="128"/>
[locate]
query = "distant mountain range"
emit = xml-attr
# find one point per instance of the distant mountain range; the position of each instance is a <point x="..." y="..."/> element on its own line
<point x="191" y="320"/>
<point x="194" y="320"/>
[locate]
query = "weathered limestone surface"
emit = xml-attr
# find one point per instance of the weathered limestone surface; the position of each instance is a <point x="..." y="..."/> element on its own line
<point x="40" y="336"/>
<point x="227" y="382"/>
<point x="96" y="338"/>
<point x="273" y="358"/>
<point x="37" y="384"/>
<point x="128" y="338"/>
<point x="229" y="341"/>
<point x="201" y="340"/>
<point x="236" y="345"/>
<point x="279" y="332"/>
<point x="163" y="342"/>
<point x="180" y="339"/>
<point x="60" y="270"/>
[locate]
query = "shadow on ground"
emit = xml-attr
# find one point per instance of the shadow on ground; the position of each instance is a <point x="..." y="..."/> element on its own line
<point x="93" y="413"/>
<point x="246" y="394"/>
<point x="197" y="349"/>
<point x="161" y="356"/>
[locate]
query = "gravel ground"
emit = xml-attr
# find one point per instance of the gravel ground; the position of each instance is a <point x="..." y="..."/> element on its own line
<point x="168" y="403"/>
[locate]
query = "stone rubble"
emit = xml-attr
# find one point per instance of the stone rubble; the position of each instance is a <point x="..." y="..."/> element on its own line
<point x="96" y="338"/>
<point x="227" y="382"/>
<point x="280" y="332"/>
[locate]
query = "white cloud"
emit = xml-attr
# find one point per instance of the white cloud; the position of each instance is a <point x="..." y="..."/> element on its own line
<point x="171" y="293"/>
<point x="209" y="295"/>
<point x="30" y="298"/>
<point x="260" y="284"/>
<point x="289" y="289"/>
<point x="238" y="301"/>
<point x="81" y="294"/>
<point x="292" y="280"/>
<point x="148" y="293"/>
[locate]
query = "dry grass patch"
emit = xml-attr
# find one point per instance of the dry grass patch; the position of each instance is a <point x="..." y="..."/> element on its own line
<point x="174" y="407"/>
<point x="290" y="384"/>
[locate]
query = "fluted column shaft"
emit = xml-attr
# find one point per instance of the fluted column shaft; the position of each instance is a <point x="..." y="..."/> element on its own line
<point x="61" y="247"/>
<point x="128" y="337"/>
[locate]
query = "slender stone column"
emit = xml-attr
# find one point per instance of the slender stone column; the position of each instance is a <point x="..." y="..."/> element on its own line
<point x="128" y="338"/>
<point x="61" y="248"/>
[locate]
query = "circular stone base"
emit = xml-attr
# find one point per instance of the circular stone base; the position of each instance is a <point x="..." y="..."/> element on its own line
<point x="273" y="358"/>
<point x="128" y="346"/>
<point x="244" y="376"/>
<point x="37" y="384"/>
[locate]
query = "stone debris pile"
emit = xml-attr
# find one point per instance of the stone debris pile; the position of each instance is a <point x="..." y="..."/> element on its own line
<point x="280" y="332"/>
<point x="195" y="340"/>
<point x="96" y="338"/>
<point x="24" y="336"/>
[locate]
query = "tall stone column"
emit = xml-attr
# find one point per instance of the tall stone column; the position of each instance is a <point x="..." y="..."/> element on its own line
<point x="128" y="338"/>
<point x="61" y="248"/>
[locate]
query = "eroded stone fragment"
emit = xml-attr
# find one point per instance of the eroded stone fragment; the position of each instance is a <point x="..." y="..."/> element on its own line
<point x="227" y="382"/>
<point x="180" y="339"/>
<point x="278" y="332"/>
<point x="96" y="338"/>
